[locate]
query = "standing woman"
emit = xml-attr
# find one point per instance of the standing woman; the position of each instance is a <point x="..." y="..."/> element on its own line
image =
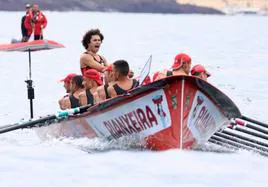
<point x="90" y="59"/>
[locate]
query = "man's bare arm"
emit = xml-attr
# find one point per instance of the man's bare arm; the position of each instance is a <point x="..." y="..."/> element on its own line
<point x="89" y="61"/>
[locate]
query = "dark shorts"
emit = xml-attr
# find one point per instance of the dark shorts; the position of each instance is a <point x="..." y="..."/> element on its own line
<point x="38" y="37"/>
<point x="24" y="33"/>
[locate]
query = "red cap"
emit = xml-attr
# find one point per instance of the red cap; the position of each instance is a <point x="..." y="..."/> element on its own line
<point x="28" y="6"/>
<point x="199" y="69"/>
<point x="94" y="75"/>
<point x="109" y="68"/>
<point x="68" y="78"/>
<point x="155" y="75"/>
<point x="179" y="59"/>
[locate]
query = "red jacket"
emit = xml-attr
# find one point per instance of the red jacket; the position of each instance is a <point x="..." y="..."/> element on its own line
<point x="35" y="23"/>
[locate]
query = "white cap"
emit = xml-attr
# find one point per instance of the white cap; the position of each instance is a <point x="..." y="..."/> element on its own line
<point x="28" y="6"/>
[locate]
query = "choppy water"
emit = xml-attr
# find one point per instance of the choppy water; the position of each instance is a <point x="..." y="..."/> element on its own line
<point x="233" y="48"/>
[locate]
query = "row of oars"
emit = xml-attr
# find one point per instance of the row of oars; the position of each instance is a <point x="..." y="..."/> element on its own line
<point x="244" y="133"/>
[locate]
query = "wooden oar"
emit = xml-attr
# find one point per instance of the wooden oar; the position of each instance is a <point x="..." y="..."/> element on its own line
<point x="43" y="121"/>
<point x="248" y="131"/>
<point x="255" y="121"/>
<point x="247" y="139"/>
<point x="260" y="127"/>
<point x="234" y="144"/>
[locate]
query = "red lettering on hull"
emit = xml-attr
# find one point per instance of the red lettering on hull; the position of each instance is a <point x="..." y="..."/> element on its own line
<point x="132" y="122"/>
<point x="204" y="119"/>
<point x="151" y="117"/>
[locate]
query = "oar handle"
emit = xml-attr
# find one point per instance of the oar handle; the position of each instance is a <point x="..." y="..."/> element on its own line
<point x="66" y="113"/>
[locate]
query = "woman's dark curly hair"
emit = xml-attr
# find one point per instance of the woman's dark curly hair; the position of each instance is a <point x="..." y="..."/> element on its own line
<point x="87" y="37"/>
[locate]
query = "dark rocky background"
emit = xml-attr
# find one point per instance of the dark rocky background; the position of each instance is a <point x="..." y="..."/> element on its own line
<point x="142" y="6"/>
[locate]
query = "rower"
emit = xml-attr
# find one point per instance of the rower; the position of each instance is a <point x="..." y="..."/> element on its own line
<point x="90" y="59"/>
<point x="76" y="88"/>
<point x="109" y="80"/>
<point x="123" y="83"/>
<point x="181" y="66"/>
<point x="200" y="71"/>
<point x="67" y="82"/>
<point x="92" y="80"/>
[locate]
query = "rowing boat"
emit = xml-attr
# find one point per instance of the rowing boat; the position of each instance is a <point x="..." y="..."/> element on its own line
<point x="174" y="112"/>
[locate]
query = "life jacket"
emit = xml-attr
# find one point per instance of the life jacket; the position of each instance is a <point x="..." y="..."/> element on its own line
<point x="33" y="22"/>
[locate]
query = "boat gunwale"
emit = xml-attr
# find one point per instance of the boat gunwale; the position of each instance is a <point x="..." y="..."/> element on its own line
<point x="222" y="101"/>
